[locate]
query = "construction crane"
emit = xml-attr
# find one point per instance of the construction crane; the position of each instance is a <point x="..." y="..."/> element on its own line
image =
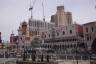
<point x="44" y="22"/>
<point x="43" y="10"/>
<point x="95" y="4"/>
<point x="31" y="7"/>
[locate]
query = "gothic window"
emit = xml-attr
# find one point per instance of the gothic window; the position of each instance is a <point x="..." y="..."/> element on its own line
<point x="70" y="31"/>
<point x="21" y="38"/>
<point x="87" y="38"/>
<point x="86" y="29"/>
<point x="45" y="36"/>
<point x="57" y="34"/>
<point x="49" y="35"/>
<point x="92" y="29"/>
<point x="63" y="33"/>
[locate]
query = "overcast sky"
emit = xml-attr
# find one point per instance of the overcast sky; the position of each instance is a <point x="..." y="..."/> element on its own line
<point x="12" y="12"/>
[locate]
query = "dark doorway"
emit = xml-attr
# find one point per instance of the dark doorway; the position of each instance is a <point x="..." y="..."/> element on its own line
<point x="93" y="46"/>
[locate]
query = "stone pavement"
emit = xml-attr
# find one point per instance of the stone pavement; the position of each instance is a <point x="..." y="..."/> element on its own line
<point x="2" y="60"/>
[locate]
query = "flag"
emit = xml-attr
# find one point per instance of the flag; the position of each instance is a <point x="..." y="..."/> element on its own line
<point x="30" y="8"/>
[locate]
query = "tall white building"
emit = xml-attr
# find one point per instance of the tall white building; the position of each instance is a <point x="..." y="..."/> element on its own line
<point x="69" y="17"/>
<point x="61" y="18"/>
<point x="36" y="27"/>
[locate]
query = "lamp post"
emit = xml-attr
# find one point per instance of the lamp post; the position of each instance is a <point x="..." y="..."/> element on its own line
<point x="24" y="56"/>
<point x="24" y="53"/>
<point x="76" y="53"/>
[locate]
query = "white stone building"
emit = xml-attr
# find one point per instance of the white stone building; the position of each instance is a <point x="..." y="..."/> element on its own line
<point x="36" y="27"/>
<point x="65" y="31"/>
<point x="89" y="32"/>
